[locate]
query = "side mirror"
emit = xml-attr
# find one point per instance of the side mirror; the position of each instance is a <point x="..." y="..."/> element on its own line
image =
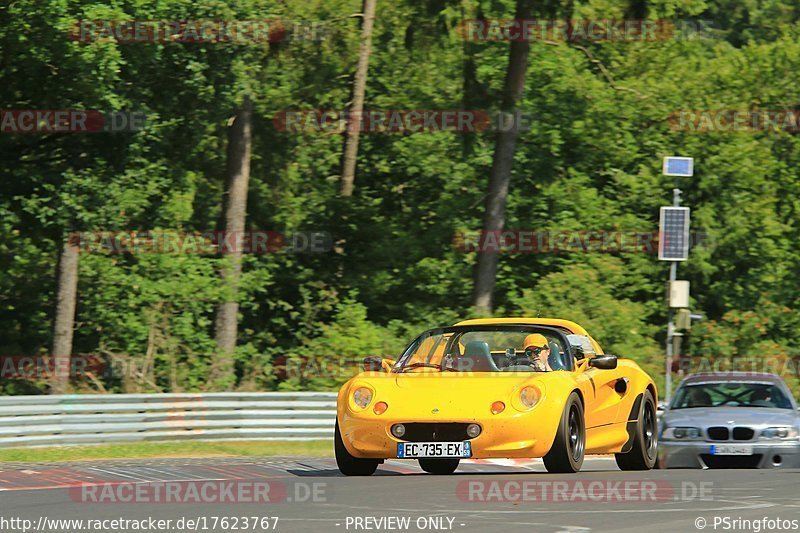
<point x="578" y="352"/>
<point x="373" y="364"/>
<point x="604" y="362"/>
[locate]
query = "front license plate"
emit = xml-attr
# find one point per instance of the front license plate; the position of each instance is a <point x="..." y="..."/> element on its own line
<point x="731" y="449"/>
<point x="413" y="450"/>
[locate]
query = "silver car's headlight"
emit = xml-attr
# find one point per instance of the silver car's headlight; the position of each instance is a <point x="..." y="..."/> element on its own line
<point x="779" y="432"/>
<point x="681" y="433"/>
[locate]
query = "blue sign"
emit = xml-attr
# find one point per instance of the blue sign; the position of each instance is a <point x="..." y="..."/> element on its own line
<point x="679" y="166"/>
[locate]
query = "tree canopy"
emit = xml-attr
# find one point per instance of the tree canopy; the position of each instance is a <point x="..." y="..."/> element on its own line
<point x="602" y="116"/>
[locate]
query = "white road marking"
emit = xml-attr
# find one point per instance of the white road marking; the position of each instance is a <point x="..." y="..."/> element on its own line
<point x="741" y="506"/>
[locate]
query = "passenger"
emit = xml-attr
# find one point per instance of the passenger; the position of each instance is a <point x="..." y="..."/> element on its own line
<point x="762" y="398"/>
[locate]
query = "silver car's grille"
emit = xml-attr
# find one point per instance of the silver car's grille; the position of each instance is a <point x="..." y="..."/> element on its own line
<point x="718" y="433"/>
<point x="723" y="433"/>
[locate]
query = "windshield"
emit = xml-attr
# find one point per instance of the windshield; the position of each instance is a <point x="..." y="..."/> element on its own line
<point x="486" y="349"/>
<point x="731" y="394"/>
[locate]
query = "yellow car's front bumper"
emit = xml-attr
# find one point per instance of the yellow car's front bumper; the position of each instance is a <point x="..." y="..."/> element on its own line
<point x="506" y="435"/>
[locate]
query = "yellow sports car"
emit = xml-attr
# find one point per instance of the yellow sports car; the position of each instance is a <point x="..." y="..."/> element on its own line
<point x="509" y="387"/>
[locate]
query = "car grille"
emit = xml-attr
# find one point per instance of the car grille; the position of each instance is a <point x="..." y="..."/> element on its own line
<point x="731" y="461"/>
<point x="436" y="432"/>
<point x="717" y="433"/>
<point x="742" y="433"/>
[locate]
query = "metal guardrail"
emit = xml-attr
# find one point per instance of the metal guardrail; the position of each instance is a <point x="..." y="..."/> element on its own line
<point x="108" y="418"/>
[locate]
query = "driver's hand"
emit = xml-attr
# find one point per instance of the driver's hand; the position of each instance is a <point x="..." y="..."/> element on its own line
<point x="538" y="364"/>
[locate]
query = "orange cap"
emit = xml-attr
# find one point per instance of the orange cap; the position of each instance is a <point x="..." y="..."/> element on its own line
<point x="535" y="340"/>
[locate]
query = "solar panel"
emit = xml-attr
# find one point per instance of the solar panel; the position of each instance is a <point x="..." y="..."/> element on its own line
<point x="673" y="242"/>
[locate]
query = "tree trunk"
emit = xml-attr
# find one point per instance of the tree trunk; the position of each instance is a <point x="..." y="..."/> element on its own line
<point x="64" y="326"/>
<point x="500" y="175"/>
<point x="357" y="104"/>
<point x="235" y="205"/>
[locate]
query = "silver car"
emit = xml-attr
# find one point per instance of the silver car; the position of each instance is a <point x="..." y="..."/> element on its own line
<point x="731" y="420"/>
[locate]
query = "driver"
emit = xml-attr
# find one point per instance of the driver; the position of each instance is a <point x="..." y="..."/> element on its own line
<point x="698" y="398"/>
<point x="537" y="350"/>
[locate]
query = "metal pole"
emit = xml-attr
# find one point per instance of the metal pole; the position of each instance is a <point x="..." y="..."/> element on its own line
<point x="673" y="274"/>
<point x="673" y="270"/>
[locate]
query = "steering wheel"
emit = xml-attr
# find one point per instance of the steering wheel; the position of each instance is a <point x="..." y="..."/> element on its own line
<point x="521" y="360"/>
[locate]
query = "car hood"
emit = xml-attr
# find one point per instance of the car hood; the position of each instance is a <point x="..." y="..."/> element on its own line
<point x="725" y="416"/>
<point x="434" y="382"/>
<point x="442" y="396"/>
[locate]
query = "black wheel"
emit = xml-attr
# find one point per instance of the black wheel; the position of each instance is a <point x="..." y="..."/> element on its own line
<point x="439" y="466"/>
<point x="566" y="453"/>
<point x="349" y="465"/>
<point x="644" y="453"/>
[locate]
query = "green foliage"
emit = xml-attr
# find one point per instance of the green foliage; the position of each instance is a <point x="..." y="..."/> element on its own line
<point x="331" y="358"/>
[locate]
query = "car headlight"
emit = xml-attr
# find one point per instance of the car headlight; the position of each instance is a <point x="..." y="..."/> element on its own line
<point x="780" y="432"/>
<point x="681" y="433"/>
<point x="362" y="396"/>
<point x="529" y="396"/>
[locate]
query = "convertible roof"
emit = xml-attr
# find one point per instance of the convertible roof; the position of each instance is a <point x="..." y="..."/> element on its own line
<point x="557" y="322"/>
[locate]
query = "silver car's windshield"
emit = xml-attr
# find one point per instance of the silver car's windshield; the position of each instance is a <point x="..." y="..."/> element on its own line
<point x="731" y="394"/>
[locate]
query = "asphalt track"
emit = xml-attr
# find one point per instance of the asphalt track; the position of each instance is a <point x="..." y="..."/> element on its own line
<point x="400" y="490"/>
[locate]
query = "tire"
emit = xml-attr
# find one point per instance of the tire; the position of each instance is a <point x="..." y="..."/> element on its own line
<point x="440" y="467"/>
<point x="349" y="465"/>
<point x="644" y="453"/>
<point x="566" y="453"/>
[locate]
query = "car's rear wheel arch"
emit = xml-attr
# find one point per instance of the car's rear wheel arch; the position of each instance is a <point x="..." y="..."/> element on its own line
<point x="641" y="450"/>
